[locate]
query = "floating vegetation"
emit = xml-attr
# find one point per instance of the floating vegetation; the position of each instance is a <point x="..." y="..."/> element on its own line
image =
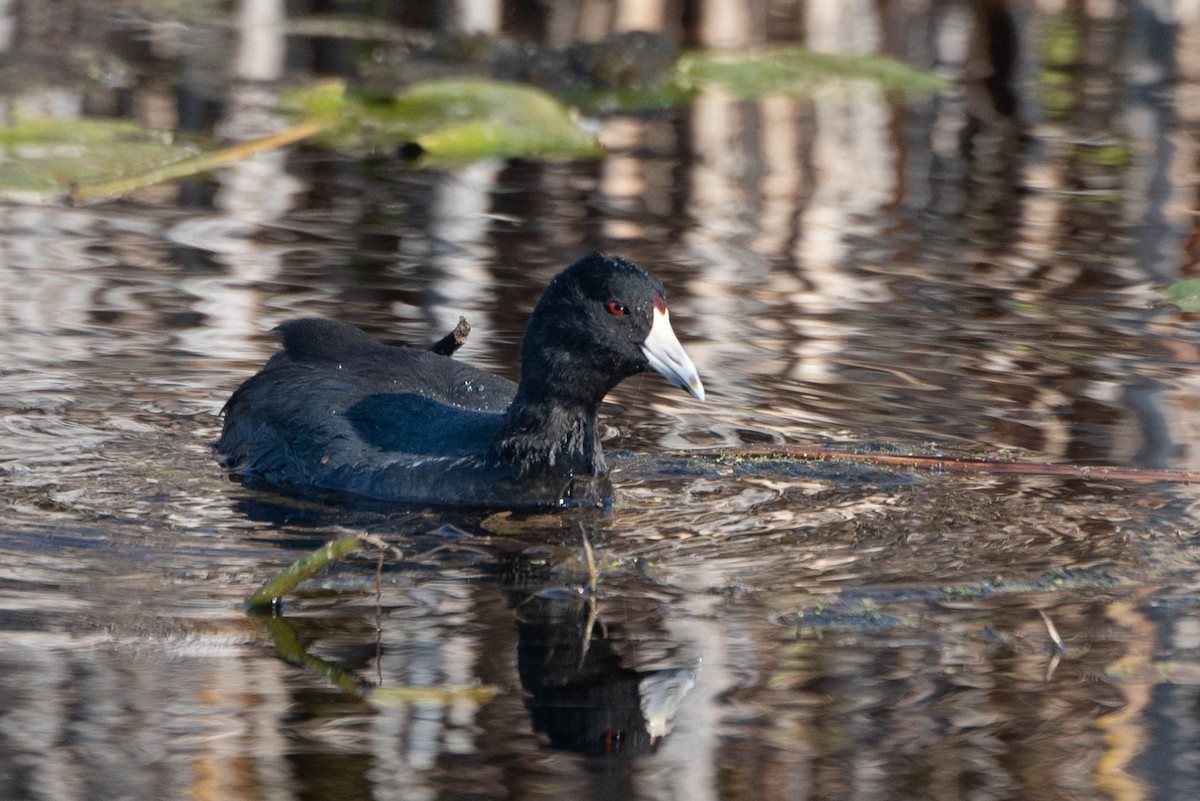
<point x="203" y="162"/>
<point x="271" y="594"/>
<point x="42" y="159"/>
<point x="441" y="120"/>
<point x="84" y="160"/>
<point x="266" y="603"/>
<point x="795" y="70"/>
<point x="454" y="119"/>
<point x="290" y="647"/>
<point x="1185" y="294"/>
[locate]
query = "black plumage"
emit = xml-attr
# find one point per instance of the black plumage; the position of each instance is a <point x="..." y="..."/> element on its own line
<point x="337" y="410"/>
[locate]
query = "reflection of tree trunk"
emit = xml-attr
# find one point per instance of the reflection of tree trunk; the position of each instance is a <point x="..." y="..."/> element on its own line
<point x="1125" y="735"/>
<point x="260" y="31"/>
<point x="730" y="24"/>
<point x="994" y="136"/>
<point x="477" y="16"/>
<point x="997" y="48"/>
<point x="850" y="26"/>
<point x="641" y="15"/>
<point x="459" y="227"/>
<point x="252" y="191"/>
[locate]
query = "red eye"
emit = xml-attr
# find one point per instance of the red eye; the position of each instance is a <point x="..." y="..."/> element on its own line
<point x="660" y="303"/>
<point x="616" y="309"/>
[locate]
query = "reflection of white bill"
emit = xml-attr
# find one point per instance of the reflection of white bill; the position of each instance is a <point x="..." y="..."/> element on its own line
<point x="661" y="694"/>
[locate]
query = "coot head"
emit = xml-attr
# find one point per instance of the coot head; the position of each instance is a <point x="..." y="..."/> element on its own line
<point x="601" y="320"/>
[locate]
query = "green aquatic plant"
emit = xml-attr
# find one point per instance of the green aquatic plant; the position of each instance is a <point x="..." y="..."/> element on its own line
<point x="1060" y="59"/>
<point x="1185" y="294"/>
<point x="458" y="119"/>
<point x="448" y="120"/>
<point x="84" y="160"/>
<point x="291" y="649"/>
<point x="266" y="603"/>
<point x="757" y="72"/>
<point x="43" y="158"/>
<point x="270" y="595"/>
<point x="796" y="71"/>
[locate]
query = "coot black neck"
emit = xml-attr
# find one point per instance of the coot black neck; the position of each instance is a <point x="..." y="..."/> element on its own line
<point x="551" y="424"/>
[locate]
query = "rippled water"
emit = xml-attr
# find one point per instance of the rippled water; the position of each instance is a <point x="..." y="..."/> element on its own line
<point x="967" y="273"/>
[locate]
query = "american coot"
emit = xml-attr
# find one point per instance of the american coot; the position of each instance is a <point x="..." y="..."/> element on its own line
<point x="336" y="410"/>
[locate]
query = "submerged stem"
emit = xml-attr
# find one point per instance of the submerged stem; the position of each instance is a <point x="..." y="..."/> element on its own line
<point x="269" y="594"/>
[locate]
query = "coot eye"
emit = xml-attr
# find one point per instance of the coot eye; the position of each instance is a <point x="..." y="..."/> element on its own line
<point x="616" y="309"/>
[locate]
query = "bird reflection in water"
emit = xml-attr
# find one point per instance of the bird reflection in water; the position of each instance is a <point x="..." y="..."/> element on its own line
<point x="582" y="696"/>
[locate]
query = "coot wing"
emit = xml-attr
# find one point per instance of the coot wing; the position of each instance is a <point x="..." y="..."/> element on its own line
<point x="373" y="367"/>
<point x="409" y="423"/>
<point x="334" y="397"/>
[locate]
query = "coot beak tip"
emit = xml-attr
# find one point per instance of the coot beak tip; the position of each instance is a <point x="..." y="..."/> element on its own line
<point x="668" y="358"/>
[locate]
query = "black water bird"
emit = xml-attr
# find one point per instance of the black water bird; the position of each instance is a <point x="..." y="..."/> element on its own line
<point x="335" y="410"/>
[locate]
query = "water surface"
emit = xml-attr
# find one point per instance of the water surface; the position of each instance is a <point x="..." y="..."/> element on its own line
<point x="977" y="272"/>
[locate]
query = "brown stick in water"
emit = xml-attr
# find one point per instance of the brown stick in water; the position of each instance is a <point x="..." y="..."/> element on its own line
<point x="952" y="464"/>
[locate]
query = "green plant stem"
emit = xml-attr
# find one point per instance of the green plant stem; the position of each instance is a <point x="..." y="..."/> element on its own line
<point x="204" y="162"/>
